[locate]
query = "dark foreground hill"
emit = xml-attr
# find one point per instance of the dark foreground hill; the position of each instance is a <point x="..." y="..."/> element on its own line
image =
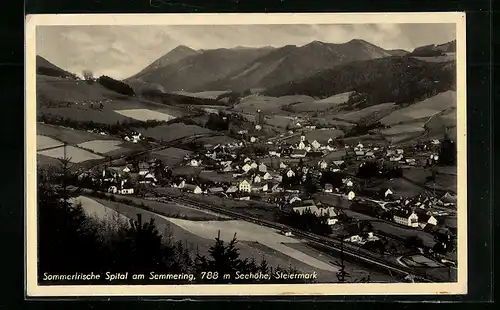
<point x="391" y="79"/>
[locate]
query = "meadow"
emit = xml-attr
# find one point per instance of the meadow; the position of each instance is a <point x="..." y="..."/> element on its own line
<point x="76" y="155"/>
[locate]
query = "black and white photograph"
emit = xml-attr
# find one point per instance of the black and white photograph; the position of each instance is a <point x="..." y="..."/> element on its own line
<point x="246" y="154"/>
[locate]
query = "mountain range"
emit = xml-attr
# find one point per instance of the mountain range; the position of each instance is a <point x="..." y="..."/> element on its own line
<point x="245" y="68"/>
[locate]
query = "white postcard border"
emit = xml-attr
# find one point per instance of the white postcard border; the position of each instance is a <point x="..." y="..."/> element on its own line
<point x="35" y="290"/>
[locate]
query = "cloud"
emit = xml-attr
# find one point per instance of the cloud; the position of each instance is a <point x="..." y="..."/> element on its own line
<point x="121" y="51"/>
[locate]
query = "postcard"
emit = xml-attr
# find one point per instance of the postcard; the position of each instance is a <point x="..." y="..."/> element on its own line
<point x="246" y="154"/>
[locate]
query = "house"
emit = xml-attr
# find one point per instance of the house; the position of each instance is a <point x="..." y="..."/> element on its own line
<point x="126" y="191"/>
<point x="388" y="192"/>
<point x="126" y="169"/>
<point x="247" y="160"/>
<point x="399" y="151"/>
<point x="254" y="165"/>
<point x="276" y="188"/>
<point x="354" y="239"/>
<point x="143" y="168"/>
<point x="331" y="221"/>
<point x="194" y="163"/>
<point x="294" y="199"/>
<point x="267" y="176"/>
<point x="435" y="142"/>
<point x="315" y="144"/>
<point x="351" y="195"/>
<point x="231" y="189"/>
<point x="256" y="188"/>
<point x="290" y="173"/>
<point x="262" y="167"/>
<point x="301" y="145"/>
<point x="112" y="189"/>
<point x="244" y="186"/>
<point x="359" y="153"/>
<point x="215" y="190"/>
<point x="283" y="165"/>
<point x="265" y="187"/>
<point x="370" y="154"/>
<point x="191" y="188"/>
<point x="246" y="168"/>
<point x="228" y="169"/>
<point x="322" y="164"/>
<point x="328" y="188"/>
<point x="256" y="179"/>
<point x="411" y="161"/>
<point x="298" y="153"/>
<point x="253" y="139"/>
<point x="406" y="218"/>
<point x="425" y="219"/>
<point x="396" y="158"/>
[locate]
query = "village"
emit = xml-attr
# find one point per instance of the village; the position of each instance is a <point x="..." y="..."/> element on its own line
<point x="327" y="180"/>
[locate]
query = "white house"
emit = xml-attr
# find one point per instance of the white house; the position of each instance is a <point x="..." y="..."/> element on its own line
<point x="195" y="189"/>
<point x="407" y="219"/>
<point x="283" y="165"/>
<point x="322" y="164"/>
<point x="194" y="163"/>
<point x="331" y="221"/>
<point x="328" y="188"/>
<point x="265" y="187"/>
<point x="388" y="192"/>
<point x="112" y="189"/>
<point x="254" y="165"/>
<point x="262" y="167"/>
<point x="294" y="199"/>
<point x="315" y="144"/>
<point x="246" y="160"/>
<point x="301" y="145"/>
<point x="232" y="189"/>
<point x="244" y="186"/>
<point x="290" y="173"/>
<point x="126" y="169"/>
<point x="354" y="239"/>
<point x="399" y="151"/>
<point x="267" y="176"/>
<point x="126" y="191"/>
<point x="351" y="195"/>
<point x="253" y="139"/>
<point x="256" y="179"/>
<point x="246" y="168"/>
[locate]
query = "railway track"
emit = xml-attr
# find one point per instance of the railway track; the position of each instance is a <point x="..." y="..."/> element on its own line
<point x="329" y="243"/>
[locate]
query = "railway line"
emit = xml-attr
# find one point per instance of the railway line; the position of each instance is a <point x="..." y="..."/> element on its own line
<point x="331" y="244"/>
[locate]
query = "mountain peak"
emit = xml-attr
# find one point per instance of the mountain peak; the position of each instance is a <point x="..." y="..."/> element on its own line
<point x="182" y="48"/>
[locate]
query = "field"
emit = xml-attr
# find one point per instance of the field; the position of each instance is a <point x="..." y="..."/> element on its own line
<point x="335" y="155"/>
<point x="445" y="182"/>
<point x="68" y="135"/>
<point x="280" y="121"/>
<point x="368" y="115"/>
<point x="76" y="155"/>
<point x="422" y="109"/>
<point x="253" y="103"/>
<point x="102" y="146"/>
<point x="417" y="175"/>
<point x="403" y="138"/>
<point x="321" y="105"/>
<point x="403" y="129"/>
<point x="145" y="114"/>
<point x="216" y="177"/>
<point x="172" y="132"/>
<point x="43" y="142"/>
<point x="82" y="101"/>
<point x="251" y="232"/>
<point x="95" y="209"/>
<point x="321" y="135"/>
<point x="403" y="232"/>
<point x="400" y="187"/>
<point x="171" y="156"/>
<point x="216" y="140"/>
<point x="213" y="94"/>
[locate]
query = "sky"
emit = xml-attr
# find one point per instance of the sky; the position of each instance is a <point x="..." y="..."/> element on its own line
<point x="122" y="51"/>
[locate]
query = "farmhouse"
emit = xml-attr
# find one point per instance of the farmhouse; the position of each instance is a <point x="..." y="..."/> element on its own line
<point x="191" y="188"/>
<point x="315" y="144"/>
<point x="262" y="167"/>
<point x="290" y="173"/>
<point x="231" y="189"/>
<point x="244" y="186"/>
<point x="406" y="218"/>
<point x="322" y="164"/>
<point x="246" y="168"/>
